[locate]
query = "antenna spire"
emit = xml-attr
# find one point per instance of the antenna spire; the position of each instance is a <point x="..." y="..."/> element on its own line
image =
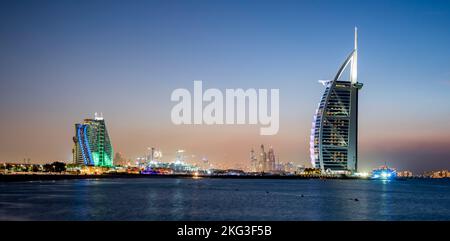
<point x="354" y="63"/>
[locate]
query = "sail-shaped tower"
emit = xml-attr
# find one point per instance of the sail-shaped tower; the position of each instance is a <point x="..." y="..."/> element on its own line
<point x="334" y="133"/>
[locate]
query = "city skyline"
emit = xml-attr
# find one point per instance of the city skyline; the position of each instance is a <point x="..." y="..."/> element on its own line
<point x="61" y="62"/>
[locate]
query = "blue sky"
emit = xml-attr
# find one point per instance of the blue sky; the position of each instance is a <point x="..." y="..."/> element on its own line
<point x="63" y="60"/>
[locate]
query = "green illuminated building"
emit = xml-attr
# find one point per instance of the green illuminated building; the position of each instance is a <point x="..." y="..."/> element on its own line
<point x="92" y="145"/>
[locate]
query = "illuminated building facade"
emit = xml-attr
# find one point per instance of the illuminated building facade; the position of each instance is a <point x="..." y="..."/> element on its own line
<point x="266" y="161"/>
<point x="253" y="161"/>
<point x="271" y="160"/>
<point x="262" y="165"/>
<point x="92" y="145"/>
<point x="334" y="133"/>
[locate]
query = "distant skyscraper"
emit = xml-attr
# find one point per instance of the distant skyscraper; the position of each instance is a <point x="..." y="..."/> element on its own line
<point x="119" y="159"/>
<point x="334" y="135"/>
<point x="151" y="154"/>
<point x="262" y="165"/>
<point x="92" y="145"/>
<point x="179" y="157"/>
<point x="271" y="160"/>
<point x="253" y="161"/>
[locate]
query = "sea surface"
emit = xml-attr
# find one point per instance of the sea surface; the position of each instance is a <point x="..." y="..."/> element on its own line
<point x="225" y="199"/>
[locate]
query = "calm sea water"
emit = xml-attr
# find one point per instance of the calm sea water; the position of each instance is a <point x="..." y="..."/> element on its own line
<point x="225" y="199"/>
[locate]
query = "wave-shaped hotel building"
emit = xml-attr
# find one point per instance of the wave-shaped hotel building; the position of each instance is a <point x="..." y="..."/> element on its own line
<point x="92" y="145"/>
<point x="334" y="133"/>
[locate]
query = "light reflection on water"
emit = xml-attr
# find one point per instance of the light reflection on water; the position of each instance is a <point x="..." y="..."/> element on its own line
<point x="225" y="199"/>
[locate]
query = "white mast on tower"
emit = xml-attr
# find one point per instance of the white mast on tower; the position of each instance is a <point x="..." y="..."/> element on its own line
<point x="354" y="63"/>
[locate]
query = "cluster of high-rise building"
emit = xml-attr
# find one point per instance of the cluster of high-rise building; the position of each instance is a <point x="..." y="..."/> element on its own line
<point x="438" y="174"/>
<point x="404" y="174"/>
<point x="92" y="145"/>
<point x="264" y="161"/>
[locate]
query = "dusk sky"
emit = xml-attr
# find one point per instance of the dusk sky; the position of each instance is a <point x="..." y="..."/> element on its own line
<point x="61" y="61"/>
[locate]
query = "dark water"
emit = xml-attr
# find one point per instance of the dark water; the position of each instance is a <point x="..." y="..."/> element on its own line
<point x="225" y="199"/>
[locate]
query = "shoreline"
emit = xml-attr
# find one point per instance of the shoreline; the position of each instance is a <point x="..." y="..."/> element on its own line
<point x="54" y="177"/>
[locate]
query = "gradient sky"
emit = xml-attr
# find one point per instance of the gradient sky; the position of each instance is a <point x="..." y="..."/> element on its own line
<point x="61" y="61"/>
